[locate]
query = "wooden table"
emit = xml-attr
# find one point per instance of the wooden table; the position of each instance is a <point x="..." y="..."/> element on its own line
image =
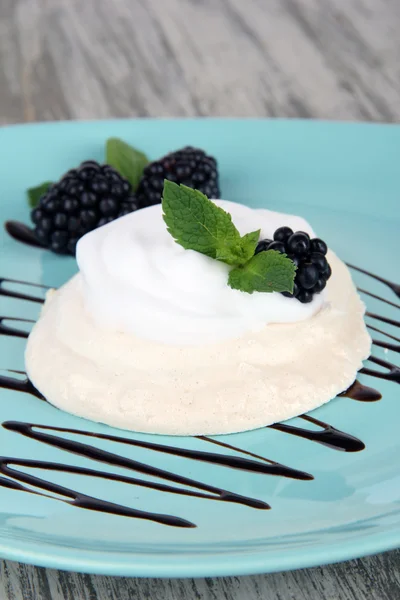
<point x="84" y="59"/>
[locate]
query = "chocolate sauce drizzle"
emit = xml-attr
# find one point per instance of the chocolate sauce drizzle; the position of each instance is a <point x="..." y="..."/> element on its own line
<point x="19" y="385"/>
<point x="91" y="452"/>
<point x="395" y="287"/>
<point x="362" y="393"/>
<point x="385" y="333"/>
<point x="13" y="294"/>
<point x="383" y="319"/>
<point x="234" y="462"/>
<point x="387" y="345"/>
<point x="261" y="465"/>
<point x="392" y="373"/>
<point x="327" y="435"/>
<point x="13" y="478"/>
<point x="22" y="233"/>
<point x="13" y="331"/>
<point x="378" y="298"/>
<point x="77" y="499"/>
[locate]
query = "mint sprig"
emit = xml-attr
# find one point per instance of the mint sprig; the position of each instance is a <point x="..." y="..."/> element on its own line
<point x="128" y="161"/>
<point x="196" y="223"/>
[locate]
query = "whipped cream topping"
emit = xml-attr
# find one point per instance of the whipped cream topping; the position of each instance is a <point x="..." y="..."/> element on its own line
<point x="138" y="280"/>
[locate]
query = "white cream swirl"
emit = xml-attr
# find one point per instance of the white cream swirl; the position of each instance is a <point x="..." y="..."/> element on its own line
<point x="136" y="279"/>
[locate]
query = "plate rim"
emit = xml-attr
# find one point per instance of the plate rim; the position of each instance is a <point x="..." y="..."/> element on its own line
<point x="223" y="119"/>
<point x="229" y="564"/>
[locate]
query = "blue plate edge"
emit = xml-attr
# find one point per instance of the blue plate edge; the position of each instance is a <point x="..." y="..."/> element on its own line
<point x="310" y="122"/>
<point x="233" y="565"/>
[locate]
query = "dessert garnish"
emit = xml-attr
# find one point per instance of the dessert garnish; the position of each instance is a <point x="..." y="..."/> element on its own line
<point x="313" y="269"/>
<point x="127" y="161"/>
<point x="196" y="223"/>
<point x="85" y="198"/>
<point x="190" y="166"/>
<point x="95" y="194"/>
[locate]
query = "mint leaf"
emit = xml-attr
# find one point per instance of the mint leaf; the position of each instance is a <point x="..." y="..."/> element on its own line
<point x="128" y="161"/>
<point x="231" y="255"/>
<point x="242" y="252"/>
<point x="268" y="271"/>
<point x="35" y="193"/>
<point x="198" y="224"/>
<point x="249" y="244"/>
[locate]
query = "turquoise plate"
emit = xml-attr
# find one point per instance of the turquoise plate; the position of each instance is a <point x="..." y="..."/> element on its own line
<point x="343" y="178"/>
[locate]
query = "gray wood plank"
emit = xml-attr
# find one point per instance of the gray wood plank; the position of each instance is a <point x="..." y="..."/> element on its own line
<point x="98" y="58"/>
<point x="84" y="59"/>
<point x="373" y="578"/>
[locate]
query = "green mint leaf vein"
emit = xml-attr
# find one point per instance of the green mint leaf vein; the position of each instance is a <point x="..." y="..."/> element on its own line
<point x="198" y="224"/>
<point x="35" y="193"/>
<point x="128" y="161"/>
<point x="240" y="253"/>
<point x="267" y="271"/>
<point x="249" y="244"/>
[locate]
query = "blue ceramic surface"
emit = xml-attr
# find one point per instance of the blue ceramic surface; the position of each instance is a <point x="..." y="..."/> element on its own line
<point x="343" y="178"/>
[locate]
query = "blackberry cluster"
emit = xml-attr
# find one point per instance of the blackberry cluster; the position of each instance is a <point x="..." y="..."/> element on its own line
<point x="85" y="198"/>
<point x="189" y="166"/>
<point x="313" y="270"/>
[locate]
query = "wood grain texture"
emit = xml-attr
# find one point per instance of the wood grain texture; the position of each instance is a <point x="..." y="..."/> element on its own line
<point x="334" y="59"/>
<point x="85" y="59"/>
<point x="373" y="578"/>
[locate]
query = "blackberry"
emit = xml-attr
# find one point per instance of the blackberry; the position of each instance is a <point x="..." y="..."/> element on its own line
<point x="282" y="234"/>
<point x="318" y="245"/>
<point x="327" y="272"/>
<point x="304" y="296"/>
<point x="313" y="269"/>
<point x="296" y="259"/>
<point x="319" y="286"/>
<point x="278" y="246"/>
<point x="298" y="243"/>
<point x="307" y="276"/>
<point x="84" y="199"/>
<point x="262" y="246"/>
<point x="295" y="293"/>
<point x="189" y="166"/>
<point x="319" y="260"/>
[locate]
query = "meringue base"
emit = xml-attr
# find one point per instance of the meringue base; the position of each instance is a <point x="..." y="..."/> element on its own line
<point x="261" y="378"/>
